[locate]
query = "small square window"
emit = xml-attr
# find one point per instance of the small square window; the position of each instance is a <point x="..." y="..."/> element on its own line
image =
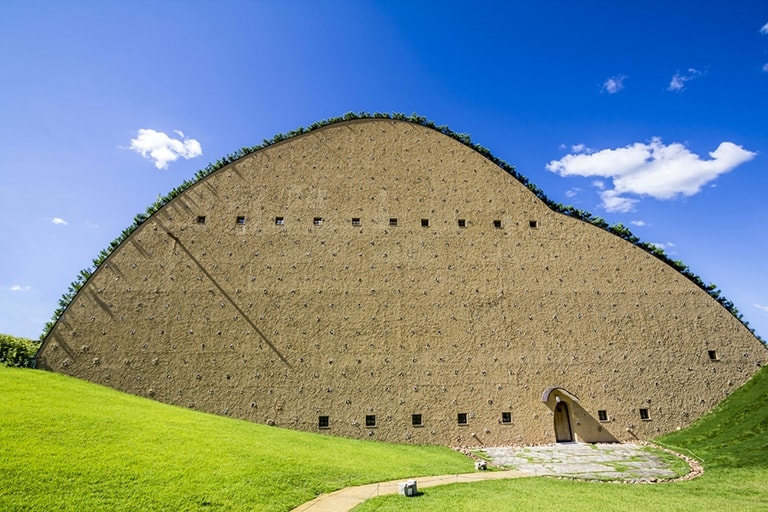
<point x="425" y="223"/>
<point x="201" y="219"/>
<point x="393" y="222"/>
<point x="462" y="418"/>
<point x="533" y="223"/>
<point x="497" y="223"/>
<point x="506" y="417"/>
<point x="370" y="420"/>
<point x="356" y="221"/>
<point x="712" y="355"/>
<point x="240" y="220"/>
<point x="416" y="420"/>
<point x="462" y="223"/>
<point x="279" y="221"/>
<point x="644" y="414"/>
<point x="602" y="415"/>
<point x="323" y="422"/>
<point x="317" y="221"/>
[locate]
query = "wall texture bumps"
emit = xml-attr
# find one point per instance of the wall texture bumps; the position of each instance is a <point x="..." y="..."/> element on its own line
<point x="378" y="279"/>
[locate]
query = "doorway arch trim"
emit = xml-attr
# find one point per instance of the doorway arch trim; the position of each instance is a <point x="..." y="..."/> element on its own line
<point x="563" y="391"/>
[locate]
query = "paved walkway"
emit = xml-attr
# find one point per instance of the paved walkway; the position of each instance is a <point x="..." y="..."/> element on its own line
<point x="628" y="462"/>
<point x="347" y="499"/>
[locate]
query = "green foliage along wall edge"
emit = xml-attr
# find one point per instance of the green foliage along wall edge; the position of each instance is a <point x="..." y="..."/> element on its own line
<point x="617" y="229"/>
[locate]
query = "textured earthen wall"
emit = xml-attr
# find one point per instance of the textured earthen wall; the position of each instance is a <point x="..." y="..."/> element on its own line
<point x="284" y="322"/>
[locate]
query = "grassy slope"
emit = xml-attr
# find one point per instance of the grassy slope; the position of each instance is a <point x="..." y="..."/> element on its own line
<point x="69" y="445"/>
<point x="732" y="442"/>
<point x="66" y="444"/>
<point x="735" y="435"/>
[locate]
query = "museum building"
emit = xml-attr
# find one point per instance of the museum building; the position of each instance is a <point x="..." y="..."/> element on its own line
<point x="379" y="279"/>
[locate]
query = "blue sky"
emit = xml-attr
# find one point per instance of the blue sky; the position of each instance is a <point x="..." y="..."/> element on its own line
<point x="652" y="115"/>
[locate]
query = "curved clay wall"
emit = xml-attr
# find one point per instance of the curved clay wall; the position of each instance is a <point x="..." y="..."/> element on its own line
<point x="375" y="274"/>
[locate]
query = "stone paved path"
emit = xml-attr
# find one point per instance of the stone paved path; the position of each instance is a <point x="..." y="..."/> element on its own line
<point x="629" y="462"/>
<point x="589" y="461"/>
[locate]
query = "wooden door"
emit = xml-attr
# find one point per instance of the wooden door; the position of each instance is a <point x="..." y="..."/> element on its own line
<point x="562" y="424"/>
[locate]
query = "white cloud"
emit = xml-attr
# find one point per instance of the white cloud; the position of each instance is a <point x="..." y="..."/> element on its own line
<point x="638" y="223"/>
<point x="613" y="202"/>
<point x="652" y="169"/>
<point x="19" y="288"/>
<point x="572" y="192"/>
<point x="59" y="221"/>
<point x="580" y="148"/>
<point x="764" y="29"/>
<point x="163" y="149"/>
<point x="663" y="245"/>
<point x="762" y="308"/>
<point x="614" y="84"/>
<point x="678" y="81"/>
<point x="765" y="67"/>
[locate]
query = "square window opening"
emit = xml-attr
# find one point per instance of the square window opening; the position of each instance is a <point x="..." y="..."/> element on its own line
<point x="425" y="223"/>
<point x="393" y="222"/>
<point x="712" y="355"/>
<point x="462" y="418"/>
<point x="370" y="420"/>
<point x="201" y="219"/>
<point x="240" y="220"/>
<point x="317" y="221"/>
<point x="323" y="422"/>
<point x="602" y="415"/>
<point x="533" y="223"/>
<point x="416" y="420"/>
<point x="506" y="417"/>
<point x="497" y="224"/>
<point x="462" y="223"/>
<point x="356" y="221"/>
<point x="644" y="414"/>
<point x="279" y="221"/>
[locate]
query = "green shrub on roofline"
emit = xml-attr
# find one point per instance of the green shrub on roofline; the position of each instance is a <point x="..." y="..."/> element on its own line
<point x="617" y="229"/>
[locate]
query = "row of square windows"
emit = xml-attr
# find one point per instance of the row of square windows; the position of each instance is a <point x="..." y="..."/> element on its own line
<point x="462" y="418"/>
<point x="318" y="221"/>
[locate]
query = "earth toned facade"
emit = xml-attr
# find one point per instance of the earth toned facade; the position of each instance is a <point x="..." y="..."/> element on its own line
<point x="378" y="279"/>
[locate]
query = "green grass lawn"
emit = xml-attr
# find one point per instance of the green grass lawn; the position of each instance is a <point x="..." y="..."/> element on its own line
<point x="732" y="443"/>
<point x="67" y="444"/>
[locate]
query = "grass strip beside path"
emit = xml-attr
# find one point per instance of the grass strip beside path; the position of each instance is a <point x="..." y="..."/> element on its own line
<point x="67" y="444"/>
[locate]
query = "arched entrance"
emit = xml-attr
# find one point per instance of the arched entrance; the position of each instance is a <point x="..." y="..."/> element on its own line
<point x="563" y="432"/>
<point x="556" y="398"/>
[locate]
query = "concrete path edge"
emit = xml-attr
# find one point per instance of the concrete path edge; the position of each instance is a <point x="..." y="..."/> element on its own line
<point x="348" y="498"/>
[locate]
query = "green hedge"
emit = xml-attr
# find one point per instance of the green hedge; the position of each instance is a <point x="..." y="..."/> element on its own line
<point x="17" y="351"/>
